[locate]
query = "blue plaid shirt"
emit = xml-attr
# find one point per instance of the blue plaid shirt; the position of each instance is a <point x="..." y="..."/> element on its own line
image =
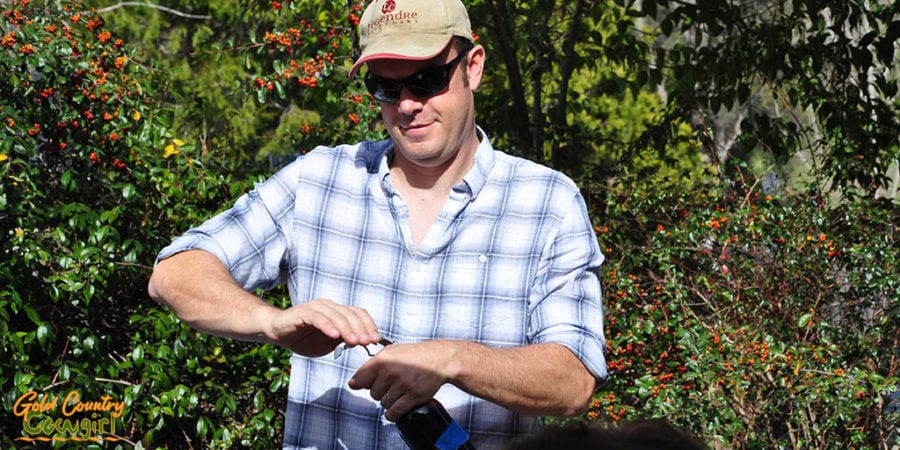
<point x="511" y="260"/>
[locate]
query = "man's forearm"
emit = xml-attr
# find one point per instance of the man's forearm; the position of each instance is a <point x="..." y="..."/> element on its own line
<point x="541" y="379"/>
<point x="201" y="292"/>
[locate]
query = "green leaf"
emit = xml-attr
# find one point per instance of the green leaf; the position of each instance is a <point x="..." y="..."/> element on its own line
<point x="65" y="373"/>
<point x="23" y="379"/>
<point x="32" y="314"/>
<point x="42" y="333"/>
<point x="128" y="191"/>
<point x="137" y="355"/>
<point x="203" y="426"/>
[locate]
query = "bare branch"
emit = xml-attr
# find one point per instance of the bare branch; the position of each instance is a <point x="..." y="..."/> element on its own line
<point x="150" y="5"/>
<point x="110" y="380"/>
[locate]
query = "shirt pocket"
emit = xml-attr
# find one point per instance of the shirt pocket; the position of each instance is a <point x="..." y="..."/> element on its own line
<point x="485" y="299"/>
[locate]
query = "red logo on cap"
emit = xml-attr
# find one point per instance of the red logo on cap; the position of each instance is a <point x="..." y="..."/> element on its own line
<point x="388" y="7"/>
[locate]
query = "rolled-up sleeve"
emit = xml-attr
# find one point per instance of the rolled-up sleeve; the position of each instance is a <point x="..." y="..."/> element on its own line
<point x="250" y="237"/>
<point x="567" y="301"/>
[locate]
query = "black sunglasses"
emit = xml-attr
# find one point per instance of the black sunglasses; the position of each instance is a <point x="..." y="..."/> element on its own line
<point x="422" y="84"/>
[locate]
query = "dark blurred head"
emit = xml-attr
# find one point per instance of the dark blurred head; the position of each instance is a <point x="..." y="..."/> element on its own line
<point x="652" y="434"/>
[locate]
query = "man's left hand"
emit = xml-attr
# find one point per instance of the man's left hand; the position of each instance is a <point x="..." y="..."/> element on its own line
<point x="405" y="376"/>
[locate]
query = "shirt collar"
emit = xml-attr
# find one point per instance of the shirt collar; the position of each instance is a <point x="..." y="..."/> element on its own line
<point x="473" y="181"/>
<point x="477" y="176"/>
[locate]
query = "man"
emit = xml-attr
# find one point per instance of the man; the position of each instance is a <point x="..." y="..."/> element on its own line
<point x="480" y="267"/>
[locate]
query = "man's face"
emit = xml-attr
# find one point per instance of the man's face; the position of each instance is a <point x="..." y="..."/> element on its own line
<point x="429" y="131"/>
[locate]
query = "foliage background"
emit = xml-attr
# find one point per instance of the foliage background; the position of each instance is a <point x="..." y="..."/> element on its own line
<point x="736" y="156"/>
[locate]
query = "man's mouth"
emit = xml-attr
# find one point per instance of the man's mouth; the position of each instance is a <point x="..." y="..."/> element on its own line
<point x="415" y="128"/>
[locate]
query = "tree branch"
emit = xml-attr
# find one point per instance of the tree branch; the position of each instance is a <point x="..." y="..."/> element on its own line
<point x="150" y="5"/>
<point x="566" y="68"/>
<point x="500" y="10"/>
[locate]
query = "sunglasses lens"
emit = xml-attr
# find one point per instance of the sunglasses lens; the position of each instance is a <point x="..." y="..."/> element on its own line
<point x="383" y="90"/>
<point x="428" y="82"/>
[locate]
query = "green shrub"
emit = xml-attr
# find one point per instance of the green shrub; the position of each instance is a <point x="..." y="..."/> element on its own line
<point x="92" y="185"/>
<point x="754" y="321"/>
<point x="94" y="180"/>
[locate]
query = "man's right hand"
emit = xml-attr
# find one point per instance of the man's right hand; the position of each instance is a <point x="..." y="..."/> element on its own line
<point x="203" y="294"/>
<point x="316" y="327"/>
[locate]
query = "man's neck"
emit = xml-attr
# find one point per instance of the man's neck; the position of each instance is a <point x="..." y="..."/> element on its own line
<point x="407" y="175"/>
<point x="426" y="189"/>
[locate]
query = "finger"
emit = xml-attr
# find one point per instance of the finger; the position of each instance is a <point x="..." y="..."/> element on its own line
<point x="377" y="374"/>
<point x="402" y="405"/>
<point x="320" y="316"/>
<point x="362" y="325"/>
<point x="390" y="404"/>
<point x="386" y="400"/>
<point x="353" y="325"/>
<point x="364" y="378"/>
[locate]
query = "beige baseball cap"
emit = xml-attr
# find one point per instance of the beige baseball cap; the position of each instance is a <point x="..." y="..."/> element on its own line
<point x="410" y="29"/>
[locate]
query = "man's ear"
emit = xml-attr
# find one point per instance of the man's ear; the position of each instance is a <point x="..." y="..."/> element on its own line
<point x="475" y="66"/>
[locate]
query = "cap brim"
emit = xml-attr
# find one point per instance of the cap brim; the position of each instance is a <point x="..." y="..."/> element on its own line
<point x="416" y="47"/>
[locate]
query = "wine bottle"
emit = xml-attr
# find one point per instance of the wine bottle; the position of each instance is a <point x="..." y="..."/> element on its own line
<point x="430" y="427"/>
